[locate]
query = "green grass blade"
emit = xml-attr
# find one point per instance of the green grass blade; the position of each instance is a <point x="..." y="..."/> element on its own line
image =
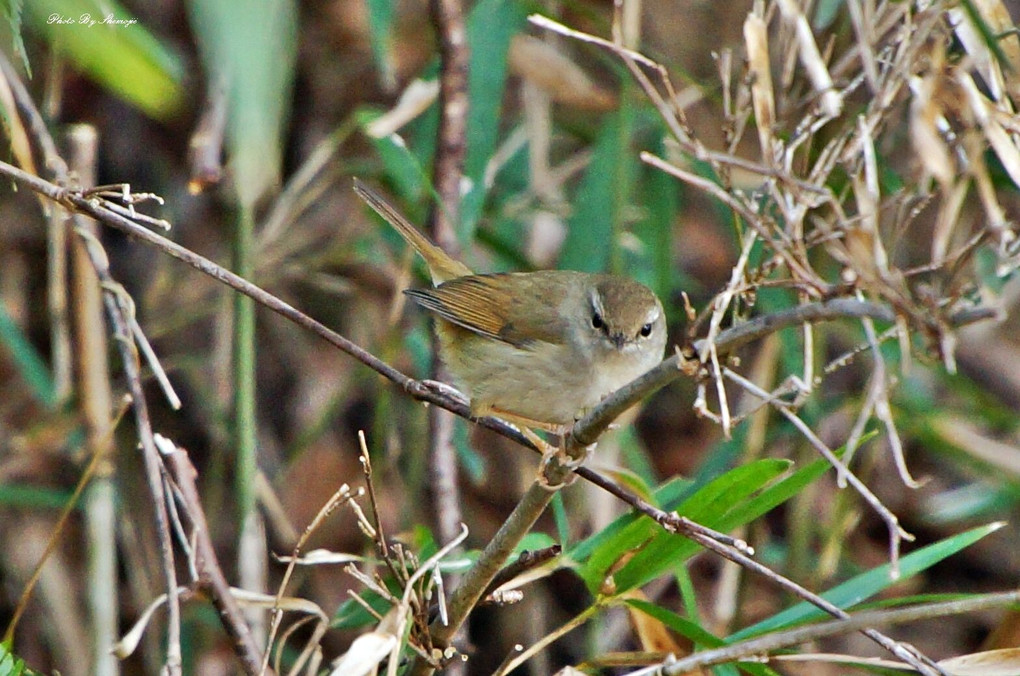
<point x="779" y="492"/>
<point x="10" y="664"/>
<point x="681" y="625"/>
<point x="250" y="46"/>
<point x="33" y="497"/>
<point x="711" y="506"/>
<point x="636" y="528"/>
<point x="27" y="359"/>
<point x="13" y="11"/>
<point x="694" y="632"/>
<point x="660" y="197"/>
<point x="491" y="25"/>
<point x="380" y="31"/>
<point x="866" y="585"/>
<point x="123" y="57"/>
<point x="402" y="167"/>
<point x="598" y="201"/>
<point x="707" y="506"/>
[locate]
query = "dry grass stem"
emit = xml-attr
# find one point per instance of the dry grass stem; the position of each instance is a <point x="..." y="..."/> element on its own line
<point x="342" y="495"/>
<point x="867" y="171"/>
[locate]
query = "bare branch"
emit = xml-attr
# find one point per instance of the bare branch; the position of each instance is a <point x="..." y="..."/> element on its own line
<point x="210" y="573"/>
<point x="855" y="622"/>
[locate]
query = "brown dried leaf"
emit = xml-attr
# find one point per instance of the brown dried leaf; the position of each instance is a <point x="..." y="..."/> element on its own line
<point x="1005" y="662"/>
<point x="757" y="41"/>
<point x="1003" y="145"/>
<point x="546" y="67"/>
<point x="811" y="58"/>
<point x="925" y="114"/>
<point x="652" y="634"/>
<point x="999" y="76"/>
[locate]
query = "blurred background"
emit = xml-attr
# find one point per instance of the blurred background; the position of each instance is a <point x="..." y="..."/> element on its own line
<point x="295" y="99"/>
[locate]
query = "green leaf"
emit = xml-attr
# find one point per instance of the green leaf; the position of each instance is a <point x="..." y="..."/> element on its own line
<point x="33" y="497"/>
<point x="13" y="10"/>
<point x="470" y="460"/>
<point x="10" y="665"/>
<point x="402" y="167"/>
<point x="531" y="542"/>
<point x="561" y="519"/>
<point x="249" y="47"/>
<point x="27" y="359"/>
<point x="640" y="473"/>
<point x="491" y="25"/>
<point x="986" y="266"/>
<point x="736" y="498"/>
<point x="124" y="57"/>
<point x="636" y="527"/>
<point x="693" y="631"/>
<point x="681" y="625"/>
<point x="598" y="202"/>
<point x="717" y="505"/>
<point x="780" y="492"/>
<point x="705" y="506"/>
<point x="825" y="13"/>
<point x="866" y="585"/>
<point x="380" y="31"/>
<point x="352" y="615"/>
<point x="660" y="198"/>
<point x="969" y="503"/>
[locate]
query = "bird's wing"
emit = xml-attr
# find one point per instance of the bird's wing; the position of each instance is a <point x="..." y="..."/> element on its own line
<point x="491" y="306"/>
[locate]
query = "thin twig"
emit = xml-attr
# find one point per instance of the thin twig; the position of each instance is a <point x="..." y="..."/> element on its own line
<point x="122" y="336"/>
<point x="588" y="429"/>
<point x="525" y="562"/>
<point x="554" y="635"/>
<point x="429" y="565"/>
<point x="896" y="532"/>
<point x="451" y="148"/>
<point x="855" y="622"/>
<point x="95" y="398"/>
<point x="585" y="431"/>
<point x="466" y="596"/>
<point x="153" y="469"/>
<point x="341" y="495"/>
<point x="210" y="573"/>
<point x="448" y="172"/>
<point x="54" y="539"/>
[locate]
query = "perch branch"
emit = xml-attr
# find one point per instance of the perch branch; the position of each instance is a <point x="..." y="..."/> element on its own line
<point x="855" y="622"/>
<point x="588" y="428"/>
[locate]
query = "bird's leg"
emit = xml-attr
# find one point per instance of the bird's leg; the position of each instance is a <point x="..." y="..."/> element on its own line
<point x="527" y="427"/>
<point x="540" y="443"/>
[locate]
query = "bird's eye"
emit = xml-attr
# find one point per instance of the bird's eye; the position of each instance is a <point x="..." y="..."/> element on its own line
<point x="596" y="321"/>
<point x="646" y="330"/>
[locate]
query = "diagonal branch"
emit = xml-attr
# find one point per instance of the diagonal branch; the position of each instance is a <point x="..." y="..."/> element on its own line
<point x="856" y="622"/>
<point x="586" y="431"/>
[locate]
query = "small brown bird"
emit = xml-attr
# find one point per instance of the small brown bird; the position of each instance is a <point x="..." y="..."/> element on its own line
<point x="536" y="348"/>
